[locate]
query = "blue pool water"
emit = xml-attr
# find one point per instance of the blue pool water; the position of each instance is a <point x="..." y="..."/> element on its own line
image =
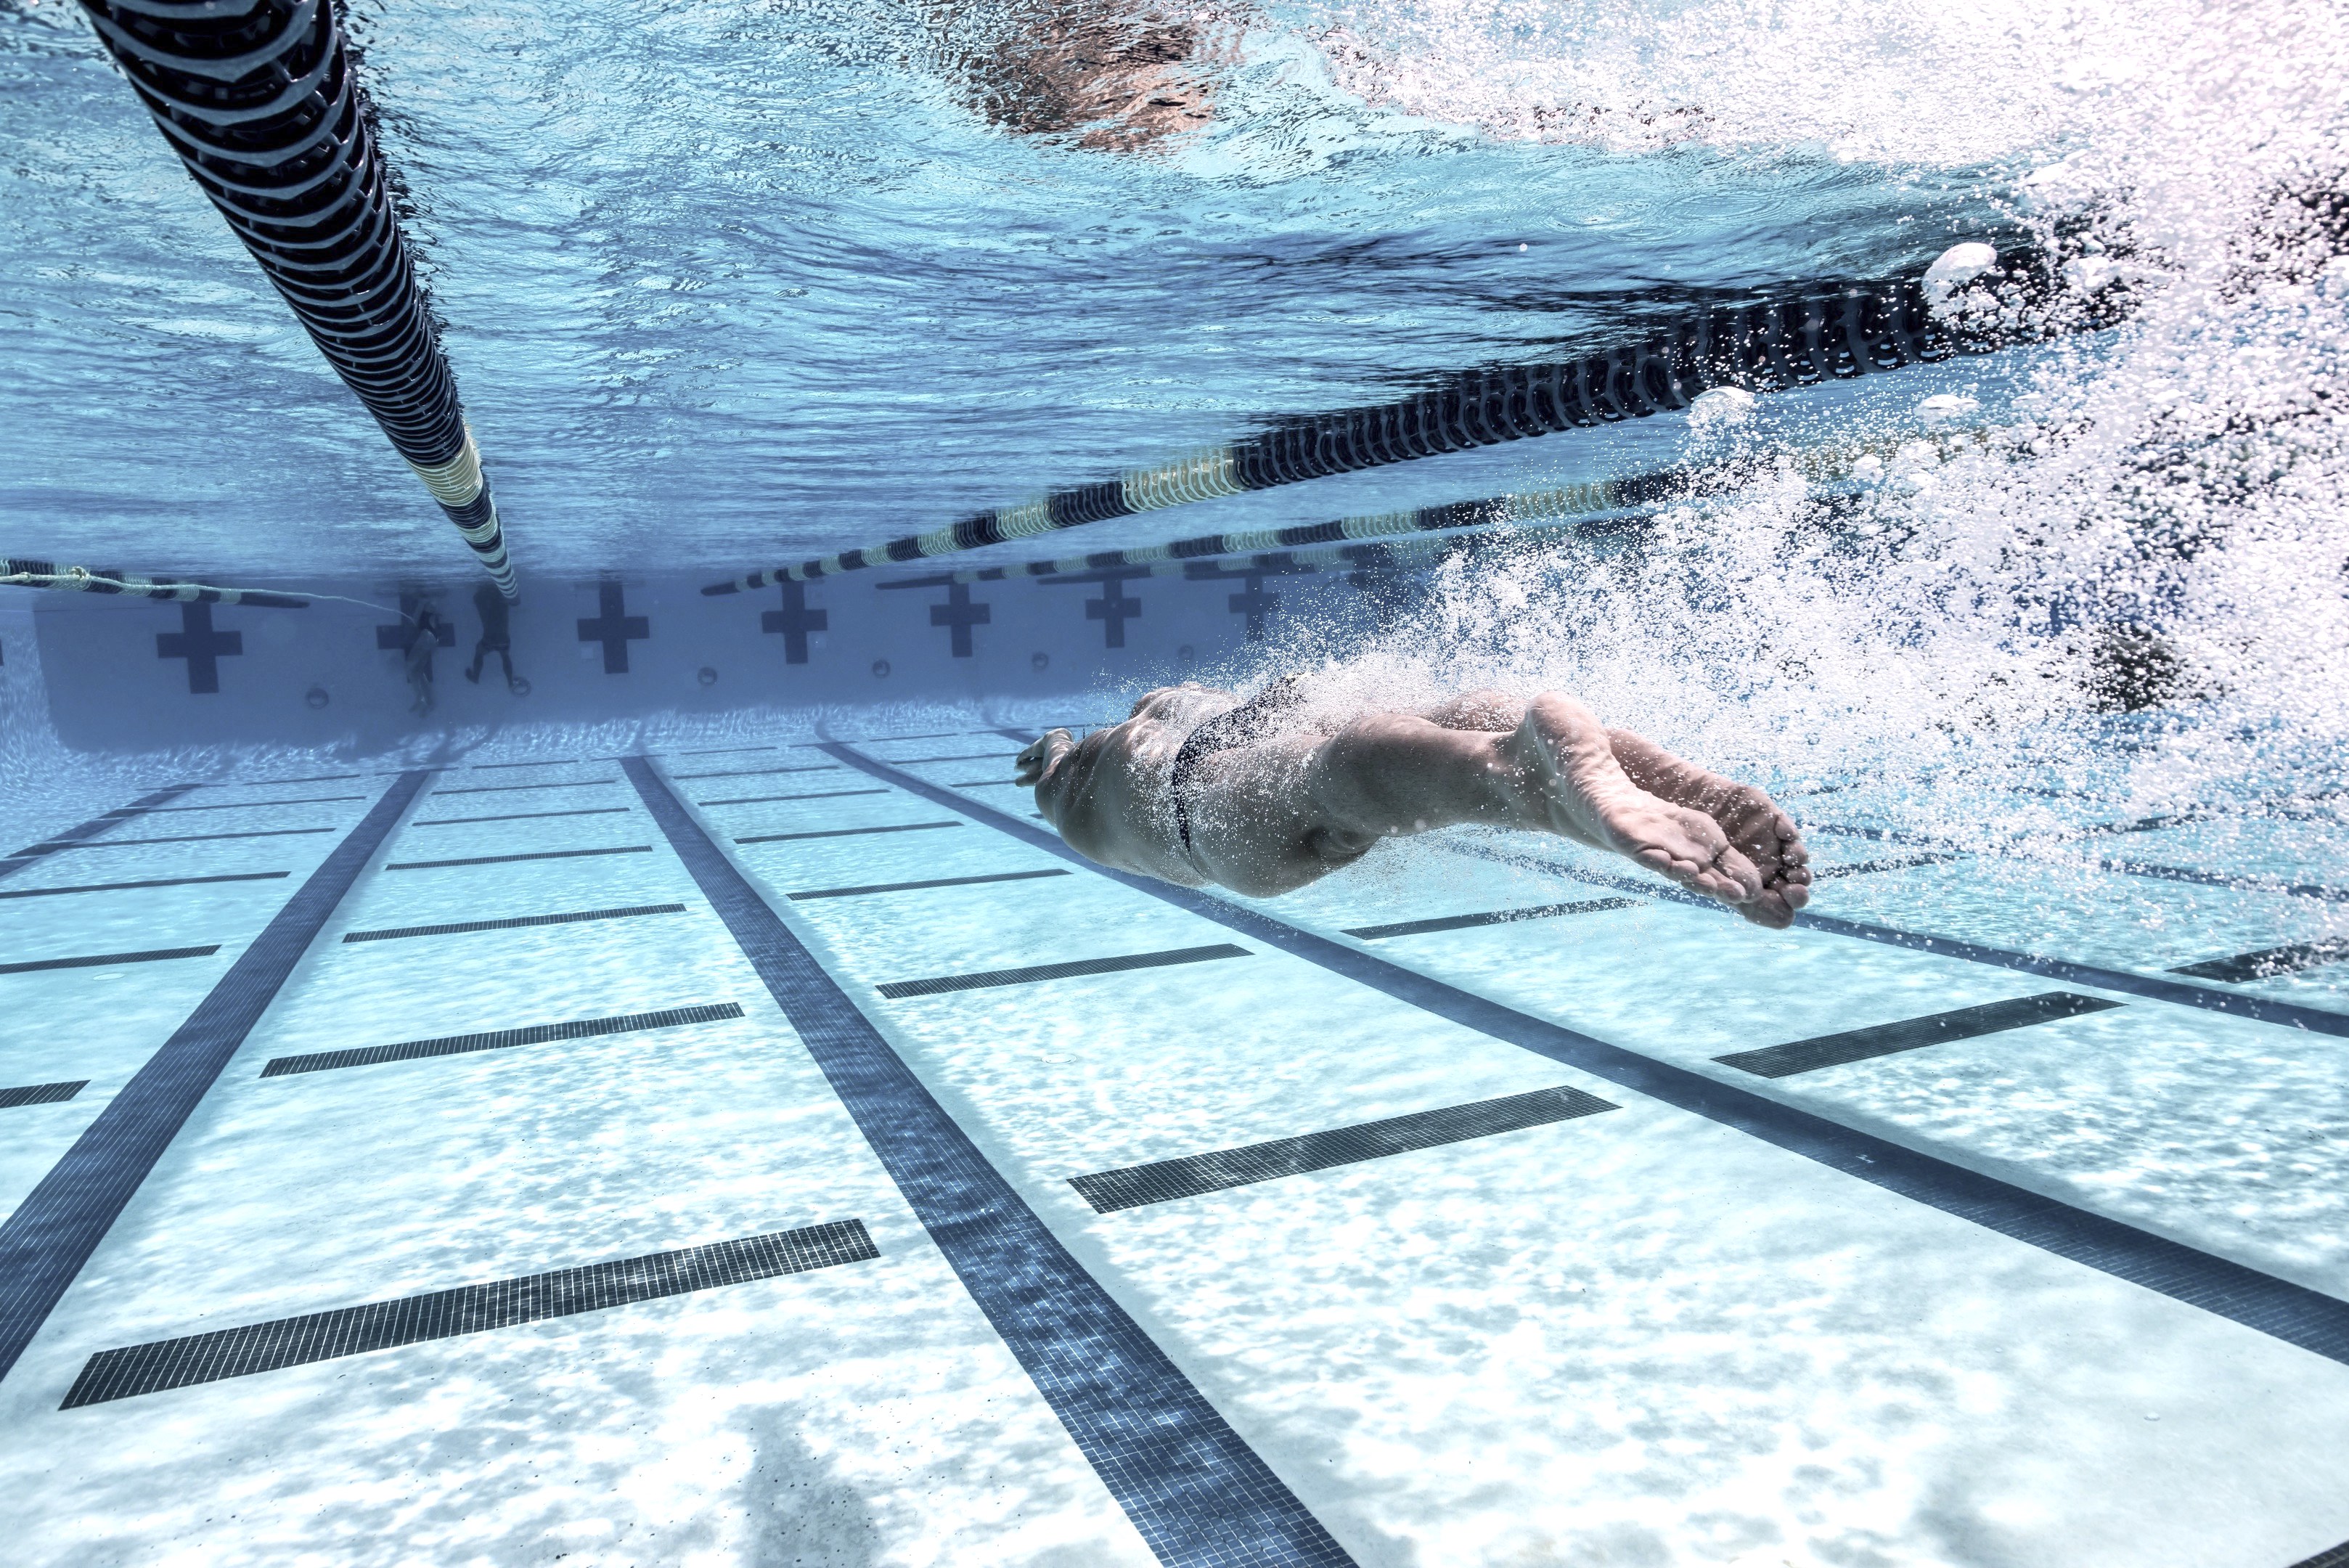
<point x="687" y="1107"/>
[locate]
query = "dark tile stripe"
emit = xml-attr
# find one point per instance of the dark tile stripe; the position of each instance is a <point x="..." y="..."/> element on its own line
<point x="45" y="1243"/>
<point x="2338" y="1557"/>
<point x="2126" y="868"/>
<point x="2316" y="890"/>
<point x="1498" y="917"/>
<point x="930" y="882"/>
<point x="41" y="1094"/>
<point x="969" y="757"/>
<point x="2293" y="1314"/>
<point x="515" y="923"/>
<point x="843" y="832"/>
<point x="541" y="762"/>
<point x="897" y="990"/>
<point x="510" y="789"/>
<point x="468" y="1308"/>
<point x="2264" y="1010"/>
<point x="1164" y="1180"/>
<point x="522" y="815"/>
<point x="501" y="859"/>
<point x="987" y="784"/>
<point x="1872" y="867"/>
<point x="764" y="799"/>
<point x="502" y="1039"/>
<point x="1912" y="1033"/>
<point x="271" y="784"/>
<point x="724" y="751"/>
<point x="198" y="837"/>
<point x="99" y="961"/>
<point x="150" y="882"/>
<point x="2265" y="964"/>
<point x="260" y="804"/>
<point x="764" y="773"/>
<point x="12" y="864"/>
<point x="1198" y="1494"/>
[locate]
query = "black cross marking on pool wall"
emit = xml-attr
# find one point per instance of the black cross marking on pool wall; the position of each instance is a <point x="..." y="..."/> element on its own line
<point x="1112" y="610"/>
<point x="959" y="615"/>
<point x="201" y="646"/>
<point x="613" y="626"/>
<point x="795" y="620"/>
<point x="395" y="638"/>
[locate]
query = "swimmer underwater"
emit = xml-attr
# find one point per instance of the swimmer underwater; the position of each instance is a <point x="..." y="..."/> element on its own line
<point x="1262" y="796"/>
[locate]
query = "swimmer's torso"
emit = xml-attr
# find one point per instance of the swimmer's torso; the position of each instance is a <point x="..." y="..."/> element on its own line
<point x="1112" y="798"/>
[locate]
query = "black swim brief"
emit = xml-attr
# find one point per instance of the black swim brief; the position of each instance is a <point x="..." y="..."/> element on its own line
<point x="1243" y="725"/>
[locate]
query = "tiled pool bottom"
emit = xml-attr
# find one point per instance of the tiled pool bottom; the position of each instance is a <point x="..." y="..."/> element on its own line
<point x="787" y="1156"/>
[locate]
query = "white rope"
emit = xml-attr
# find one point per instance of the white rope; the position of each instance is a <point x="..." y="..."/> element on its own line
<point x="80" y="579"/>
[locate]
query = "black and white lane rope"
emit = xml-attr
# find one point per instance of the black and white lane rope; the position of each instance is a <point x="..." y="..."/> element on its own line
<point x="18" y="572"/>
<point x="259" y="100"/>
<point x="1359" y="542"/>
<point x="1971" y="300"/>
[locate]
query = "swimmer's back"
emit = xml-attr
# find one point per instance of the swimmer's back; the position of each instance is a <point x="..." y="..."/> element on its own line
<point x="1111" y="798"/>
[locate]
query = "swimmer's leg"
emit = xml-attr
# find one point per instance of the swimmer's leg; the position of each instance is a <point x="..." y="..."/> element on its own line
<point x="1555" y="772"/>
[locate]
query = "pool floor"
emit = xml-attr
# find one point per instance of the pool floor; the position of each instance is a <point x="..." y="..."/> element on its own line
<point x="788" y="1154"/>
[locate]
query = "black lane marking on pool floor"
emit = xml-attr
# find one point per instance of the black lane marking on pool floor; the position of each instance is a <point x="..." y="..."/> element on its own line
<point x="541" y="762"/>
<point x="984" y="784"/>
<point x="41" y="1094"/>
<point x="1875" y="867"/>
<point x="843" y="832"/>
<point x="1194" y="1175"/>
<point x="511" y="789"/>
<point x="11" y="864"/>
<point x="762" y="773"/>
<point x="1912" y="1033"/>
<point x="2126" y="868"/>
<point x="724" y="751"/>
<point x="469" y="1309"/>
<point x="765" y="799"/>
<point x="272" y="783"/>
<point x="261" y="804"/>
<point x="51" y="1234"/>
<point x="2265" y="964"/>
<point x="150" y="882"/>
<point x="1198" y="1493"/>
<point x="938" y="985"/>
<point x="2259" y="1009"/>
<point x="514" y="923"/>
<point x="522" y="815"/>
<point x="971" y="757"/>
<point x="1496" y="918"/>
<point x="502" y="1039"/>
<point x="915" y="887"/>
<point x="197" y="837"/>
<point x="99" y="961"/>
<point x="503" y="859"/>
<point x="2337" y="1557"/>
<point x="2242" y="1295"/>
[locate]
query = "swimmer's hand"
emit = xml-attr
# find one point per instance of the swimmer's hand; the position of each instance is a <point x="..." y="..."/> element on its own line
<point x="1039" y="758"/>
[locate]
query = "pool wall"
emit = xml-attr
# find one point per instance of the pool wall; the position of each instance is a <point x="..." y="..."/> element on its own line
<point x="120" y="675"/>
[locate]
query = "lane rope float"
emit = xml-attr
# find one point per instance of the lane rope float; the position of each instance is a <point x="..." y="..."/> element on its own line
<point x="259" y="99"/>
<point x="1971" y="300"/>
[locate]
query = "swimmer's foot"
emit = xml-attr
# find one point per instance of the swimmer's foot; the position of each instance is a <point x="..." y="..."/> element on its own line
<point x="1036" y="760"/>
<point x="1752" y="823"/>
<point x="1563" y="755"/>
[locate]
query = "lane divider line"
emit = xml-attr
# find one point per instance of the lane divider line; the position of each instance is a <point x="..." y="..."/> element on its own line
<point x="51" y="1235"/>
<point x="1200" y="1496"/>
<point x="2292" y="1313"/>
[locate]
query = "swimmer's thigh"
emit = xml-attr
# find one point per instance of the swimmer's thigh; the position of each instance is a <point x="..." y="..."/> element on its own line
<point x="1255" y="827"/>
